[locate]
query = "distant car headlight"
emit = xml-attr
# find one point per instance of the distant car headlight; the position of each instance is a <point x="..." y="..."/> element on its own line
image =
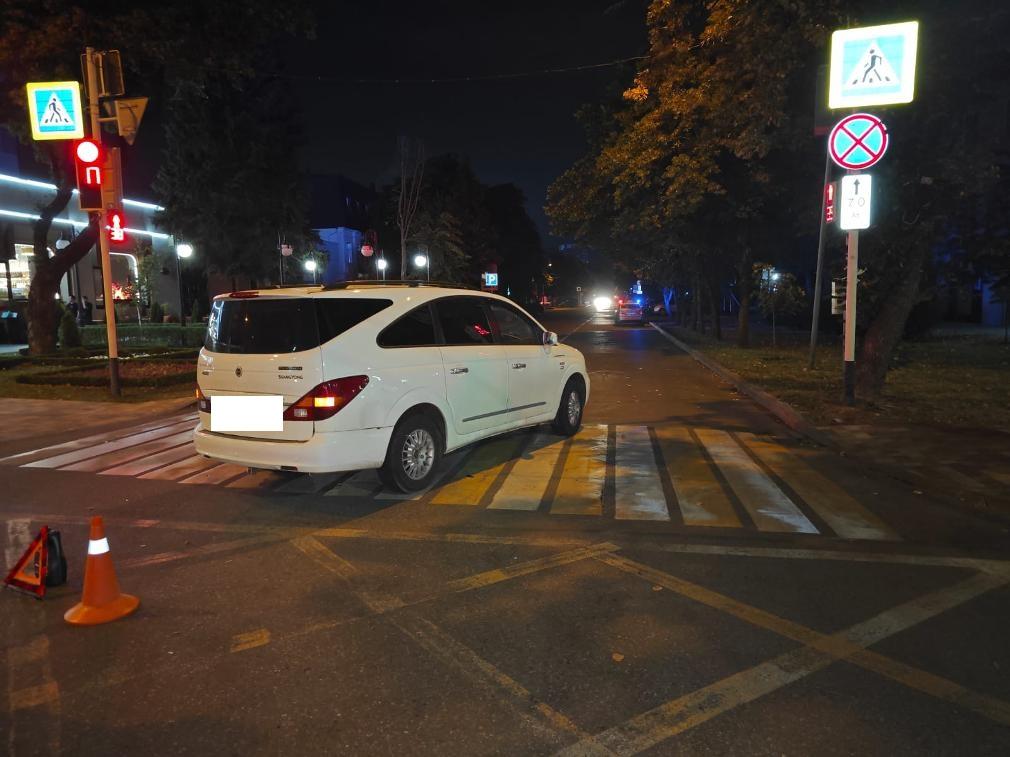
<point x="603" y="303"/>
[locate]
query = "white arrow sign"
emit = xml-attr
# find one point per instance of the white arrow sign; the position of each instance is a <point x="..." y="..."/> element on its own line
<point x="857" y="191"/>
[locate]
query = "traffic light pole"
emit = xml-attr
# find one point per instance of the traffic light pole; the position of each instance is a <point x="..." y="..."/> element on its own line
<point x="851" y="285"/>
<point x="103" y="239"/>
<point x="815" y="320"/>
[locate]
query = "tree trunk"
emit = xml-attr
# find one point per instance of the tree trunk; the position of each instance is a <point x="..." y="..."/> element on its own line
<point x="743" y="286"/>
<point x="885" y="332"/>
<point x="714" y="301"/>
<point x="42" y="311"/>
<point x="403" y="257"/>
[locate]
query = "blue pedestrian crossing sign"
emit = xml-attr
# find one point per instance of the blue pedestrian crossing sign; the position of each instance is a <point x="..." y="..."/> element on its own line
<point x="54" y="109"/>
<point x="873" y="65"/>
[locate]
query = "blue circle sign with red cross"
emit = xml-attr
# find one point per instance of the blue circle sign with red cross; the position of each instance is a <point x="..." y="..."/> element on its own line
<point x="858" y="141"/>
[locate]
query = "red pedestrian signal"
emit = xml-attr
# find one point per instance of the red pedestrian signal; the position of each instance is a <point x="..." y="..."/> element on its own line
<point x="89" y="164"/>
<point x="116" y="226"/>
<point x="829" y="202"/>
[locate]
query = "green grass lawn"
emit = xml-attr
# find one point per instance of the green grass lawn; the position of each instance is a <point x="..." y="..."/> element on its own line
<point x="954" y="380"/>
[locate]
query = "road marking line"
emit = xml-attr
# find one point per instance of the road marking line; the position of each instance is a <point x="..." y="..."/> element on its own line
<point x="361" y="485"/>
<point x="769" y="507"/>
<point x="639" y="492"/>
<point x="525" y="485"/>
<point x="240" y="642"/>
<point x="334" y="563"/>
<point x="212" y="549"/>
<point x="996" y="567"/>
<point x="497" y="575"/>
<point x="150" y="462"/>
<point x="479" y="472"/>
<point x="111" y="459"/>
<point x="844" y="514"/>
<point x="702" y="500"/>
<point x="33" y="696"/>
<point x="459" y="656"/>
<point x="580" y="488"/>
<point x="819" y="651"/>
<point x="181" y="469"/>
<point x="216" y="475"/>
<point x="110" y="446"/>
<point x="90" y="441"/>
<point x="256" y="479"/>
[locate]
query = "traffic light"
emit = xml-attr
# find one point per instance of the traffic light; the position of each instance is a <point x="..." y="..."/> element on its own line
<point x="116" y="225"/>
<point x="89" y="162"/>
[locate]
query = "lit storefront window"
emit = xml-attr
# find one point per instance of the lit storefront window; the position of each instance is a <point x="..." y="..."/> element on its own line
<point x="21" y="273"/>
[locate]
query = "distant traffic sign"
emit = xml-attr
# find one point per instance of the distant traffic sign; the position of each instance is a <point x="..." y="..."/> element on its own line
<point x="874" y="65"/>
<point x="857" y="192"/>
<point x="54" y="109"/>
<point x="858" y="141"/>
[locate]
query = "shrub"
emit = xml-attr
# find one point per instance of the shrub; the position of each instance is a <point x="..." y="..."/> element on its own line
<point x="157" y="313"/>
<point x="70" y="332"/>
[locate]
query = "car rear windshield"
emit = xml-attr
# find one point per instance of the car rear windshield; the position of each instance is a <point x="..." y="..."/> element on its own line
<point x="258" y="326"/>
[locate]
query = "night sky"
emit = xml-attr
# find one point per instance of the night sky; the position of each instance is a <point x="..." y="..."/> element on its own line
<point x="518" y="130"/>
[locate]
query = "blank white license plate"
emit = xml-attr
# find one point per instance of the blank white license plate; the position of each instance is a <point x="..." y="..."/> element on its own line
<point x="248" y="413"/>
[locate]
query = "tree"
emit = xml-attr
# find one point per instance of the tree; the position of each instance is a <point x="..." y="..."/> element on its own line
<point x="42" y="40"/>
<point x="409" y="194"/>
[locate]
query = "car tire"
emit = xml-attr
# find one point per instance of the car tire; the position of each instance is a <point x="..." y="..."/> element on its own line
<point x="568" y="419"/>
<point x="414" y="454"/>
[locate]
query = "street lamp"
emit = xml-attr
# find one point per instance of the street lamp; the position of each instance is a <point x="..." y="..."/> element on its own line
<point x="310" y="266"/>
<point x="421" y="261"/>
<point x="182" y="251"/>
<point x="381" y="264"/>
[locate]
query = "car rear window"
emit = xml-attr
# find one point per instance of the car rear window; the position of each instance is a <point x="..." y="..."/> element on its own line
<point x="277" y="325"/>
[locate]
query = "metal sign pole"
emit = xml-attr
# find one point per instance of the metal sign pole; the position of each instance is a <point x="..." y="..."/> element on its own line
<point x="103" y="241"/>
<point x="851" y="282"/>
<point x="816" y="318"/>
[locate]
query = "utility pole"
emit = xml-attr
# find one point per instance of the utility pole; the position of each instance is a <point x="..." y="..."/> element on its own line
<point x="851" y="285"/>
<point x="816" y="318"/>
<point x="103" y="241"/>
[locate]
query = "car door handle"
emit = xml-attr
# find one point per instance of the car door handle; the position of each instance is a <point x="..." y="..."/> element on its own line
<point x="518" y="366"/>
<point x="457" y="371"/>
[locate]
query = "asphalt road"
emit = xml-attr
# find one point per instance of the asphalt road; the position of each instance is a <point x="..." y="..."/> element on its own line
<point x="684" y="577"/>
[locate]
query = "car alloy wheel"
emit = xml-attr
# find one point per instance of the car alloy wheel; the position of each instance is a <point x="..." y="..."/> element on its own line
<point x="418" y="454"/>
<point x="574" y="407"/>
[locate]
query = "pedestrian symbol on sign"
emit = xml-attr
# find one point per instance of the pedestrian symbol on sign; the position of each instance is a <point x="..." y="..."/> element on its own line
<point x="55" y="114"/>
<point x="872" y="70"/>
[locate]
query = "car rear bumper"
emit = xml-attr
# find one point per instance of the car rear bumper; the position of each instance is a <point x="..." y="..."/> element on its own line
<point x="332" y="452"/>
<point x="630" y="315"/>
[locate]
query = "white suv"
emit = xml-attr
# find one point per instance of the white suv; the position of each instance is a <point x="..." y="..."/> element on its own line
<point x="381" y="375"/>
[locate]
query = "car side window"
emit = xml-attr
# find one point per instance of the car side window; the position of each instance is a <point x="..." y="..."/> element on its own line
<point x="415" y="329"/>
<point x="464" y="321"/>
<point x="513" y="326"/>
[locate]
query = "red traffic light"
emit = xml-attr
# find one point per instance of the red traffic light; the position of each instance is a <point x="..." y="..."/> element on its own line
<point x="116" y="226"/>
<point x="87" y="151"/>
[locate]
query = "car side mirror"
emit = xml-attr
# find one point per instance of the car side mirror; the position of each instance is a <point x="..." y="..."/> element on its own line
<point x="550" y="338"/>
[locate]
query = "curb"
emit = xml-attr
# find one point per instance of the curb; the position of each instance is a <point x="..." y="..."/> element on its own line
<point x="787" y="414"/>
<point x="795" y="421"/>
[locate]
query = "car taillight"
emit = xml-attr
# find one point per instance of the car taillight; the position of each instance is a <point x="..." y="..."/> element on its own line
<point x="202" y="401"/>
<point x="326" y="400"/>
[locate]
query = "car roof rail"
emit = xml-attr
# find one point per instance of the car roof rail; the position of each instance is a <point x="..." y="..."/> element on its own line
<point x="395" y="283"/>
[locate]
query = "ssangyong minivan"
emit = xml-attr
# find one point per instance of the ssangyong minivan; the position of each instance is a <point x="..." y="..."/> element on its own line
<point x="380" y="375"/>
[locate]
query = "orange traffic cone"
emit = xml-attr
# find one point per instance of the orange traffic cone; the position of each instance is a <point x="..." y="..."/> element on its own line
<point x="102" y="601"/>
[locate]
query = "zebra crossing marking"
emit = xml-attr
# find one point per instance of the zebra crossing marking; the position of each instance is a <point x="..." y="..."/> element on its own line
<point x="639" y="492"/>
<point x="528" y="480"/>
<point x="580" y="486"/>
<point x="767" y="505"/>
<point x="698" y="477"/>
<point x="702" y="500"/>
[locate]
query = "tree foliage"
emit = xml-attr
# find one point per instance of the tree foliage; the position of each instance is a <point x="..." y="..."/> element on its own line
<point x="707" y="161"/>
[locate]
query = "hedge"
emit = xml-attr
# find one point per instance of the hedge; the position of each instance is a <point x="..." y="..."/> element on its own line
<point x="169" y="334"/>
<point x="70" y="377"/>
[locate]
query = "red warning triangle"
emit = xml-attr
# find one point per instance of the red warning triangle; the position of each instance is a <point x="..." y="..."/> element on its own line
<point x="29" y="573"/>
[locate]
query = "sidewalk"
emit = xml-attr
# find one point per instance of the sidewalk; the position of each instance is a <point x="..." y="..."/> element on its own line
<point x="971" y="464"/>
<point x="24" y="420"/>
